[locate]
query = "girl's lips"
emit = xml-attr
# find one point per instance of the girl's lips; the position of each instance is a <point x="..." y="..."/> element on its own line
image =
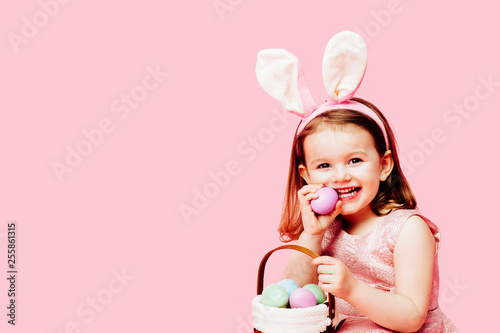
<point x="348" y="193"/>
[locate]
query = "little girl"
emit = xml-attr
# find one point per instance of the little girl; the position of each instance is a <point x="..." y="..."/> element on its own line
<point x="379" y="254"/>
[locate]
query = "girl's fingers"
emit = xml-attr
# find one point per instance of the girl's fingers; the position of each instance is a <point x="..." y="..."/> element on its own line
<point x="311" y="196"/>
<point x="325" y="279"/>
<point x="307" y="193"/>
<point x="326" y="269"/>
<point x="309" y="189"/>
<point x="324" y="260"/>
<point x="329" y="218"/>
<point x="338" y="208"/>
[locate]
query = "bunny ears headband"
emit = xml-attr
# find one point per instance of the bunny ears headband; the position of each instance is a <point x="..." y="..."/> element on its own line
<point x="344" y="63"/>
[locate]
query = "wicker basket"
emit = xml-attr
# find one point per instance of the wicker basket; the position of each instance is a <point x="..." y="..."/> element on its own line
<point x="267" y="319"/>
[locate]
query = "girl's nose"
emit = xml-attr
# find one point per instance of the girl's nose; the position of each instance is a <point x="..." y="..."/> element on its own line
<point x="341" y="176"/>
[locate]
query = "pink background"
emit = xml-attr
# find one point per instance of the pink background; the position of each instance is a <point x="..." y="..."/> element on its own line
<point x="118" y="212"/>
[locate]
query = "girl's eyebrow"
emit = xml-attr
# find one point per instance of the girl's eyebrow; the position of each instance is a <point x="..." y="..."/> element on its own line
<point x="358" y="152"/>
<point x="314" y="161"/>
<point x="353" y="153"/>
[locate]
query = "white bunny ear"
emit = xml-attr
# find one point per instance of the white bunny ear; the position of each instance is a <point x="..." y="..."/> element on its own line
<point x="280" y="74"/>
<point x="344" y="65"/>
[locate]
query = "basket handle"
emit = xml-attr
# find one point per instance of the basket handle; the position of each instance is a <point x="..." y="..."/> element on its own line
<point x="262" y="266"/>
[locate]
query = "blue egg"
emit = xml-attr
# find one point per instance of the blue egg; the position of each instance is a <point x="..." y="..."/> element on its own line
<point x="289" y="285"/>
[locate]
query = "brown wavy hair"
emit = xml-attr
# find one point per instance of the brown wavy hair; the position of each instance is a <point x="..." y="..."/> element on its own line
<point x="393" y="193"/>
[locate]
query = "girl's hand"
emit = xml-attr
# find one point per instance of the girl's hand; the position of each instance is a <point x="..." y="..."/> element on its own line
<point x="315" y="225"/>
<point x="335" y="277"/>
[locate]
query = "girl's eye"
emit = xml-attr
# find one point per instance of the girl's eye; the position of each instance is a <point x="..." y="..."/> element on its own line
<point x="323" y="165"/>
<point x="355" y="160"/>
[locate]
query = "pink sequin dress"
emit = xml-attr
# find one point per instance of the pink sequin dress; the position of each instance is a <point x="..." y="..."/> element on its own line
<point x="370" y="258"/>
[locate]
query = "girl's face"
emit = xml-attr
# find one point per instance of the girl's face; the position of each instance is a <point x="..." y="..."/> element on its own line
<point x="346" y="159"/>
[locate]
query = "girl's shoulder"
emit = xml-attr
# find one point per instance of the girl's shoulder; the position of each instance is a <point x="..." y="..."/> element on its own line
<point x="387" y="230"/>
<point x="396" y="219"/>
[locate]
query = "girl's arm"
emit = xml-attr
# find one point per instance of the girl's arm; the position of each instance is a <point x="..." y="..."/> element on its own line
<point x="299" y="266"/>
<point x="404" y="310"/>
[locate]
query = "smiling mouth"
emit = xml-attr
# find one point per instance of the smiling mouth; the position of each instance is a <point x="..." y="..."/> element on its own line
<point x="347" y="193"/>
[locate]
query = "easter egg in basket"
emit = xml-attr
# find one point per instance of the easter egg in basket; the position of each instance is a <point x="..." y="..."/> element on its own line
<point x="316" y="290"/>
<point x="289" y="285"/>
<point x="275" y="295"/>
<point x="302" y="298"/>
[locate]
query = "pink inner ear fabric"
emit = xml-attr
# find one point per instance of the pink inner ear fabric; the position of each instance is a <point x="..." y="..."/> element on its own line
<point x="349" y="105"/>
<point x="347" y="97"/>
<point x="305" y="94"/>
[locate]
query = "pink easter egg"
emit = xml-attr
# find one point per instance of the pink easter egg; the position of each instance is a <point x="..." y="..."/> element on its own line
<point x="302" y="298"/>
<point x="326" y="201"/>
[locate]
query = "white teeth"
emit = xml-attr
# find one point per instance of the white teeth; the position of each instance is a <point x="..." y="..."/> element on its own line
<point x="346" y="190"/>
<point x="347" y="193"/>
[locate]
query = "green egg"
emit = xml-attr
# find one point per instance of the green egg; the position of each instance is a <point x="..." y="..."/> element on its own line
<point x="316" y="290"/>
<point x="275" y="295"/>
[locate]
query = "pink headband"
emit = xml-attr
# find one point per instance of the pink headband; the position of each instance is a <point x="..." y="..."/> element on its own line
<point x="280" y="74"/>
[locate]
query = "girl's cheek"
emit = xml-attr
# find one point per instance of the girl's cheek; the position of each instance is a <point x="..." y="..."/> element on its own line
<point x="320" y="178"/>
